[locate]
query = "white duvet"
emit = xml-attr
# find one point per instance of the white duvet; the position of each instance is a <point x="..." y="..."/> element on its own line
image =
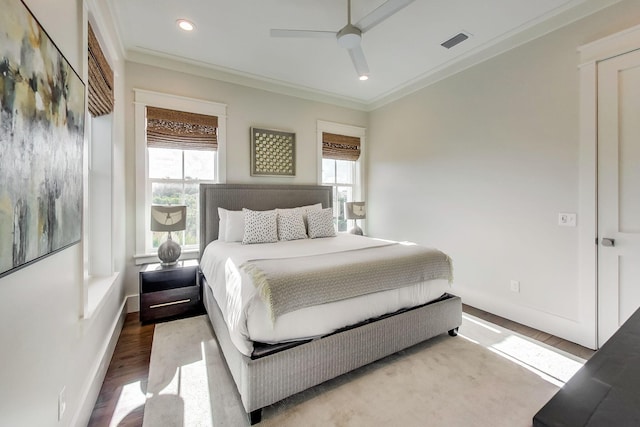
<point x="248" y="318"/>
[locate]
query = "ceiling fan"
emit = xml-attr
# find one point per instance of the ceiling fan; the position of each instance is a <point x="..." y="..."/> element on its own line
<point x="350" y="36"/>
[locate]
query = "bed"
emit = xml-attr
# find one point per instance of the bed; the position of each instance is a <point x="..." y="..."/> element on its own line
<point x="267" y="372"/>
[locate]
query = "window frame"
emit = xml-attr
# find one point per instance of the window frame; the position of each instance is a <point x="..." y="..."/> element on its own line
<point x="101" y="270"/>
<point x="337" y="208"/>
<point x="143" y="98"/>
<point x="358" y="186"/>
<point x="182" y="182"/>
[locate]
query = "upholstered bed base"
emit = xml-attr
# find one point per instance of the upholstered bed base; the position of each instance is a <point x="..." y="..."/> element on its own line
<point x="269" y="379"/>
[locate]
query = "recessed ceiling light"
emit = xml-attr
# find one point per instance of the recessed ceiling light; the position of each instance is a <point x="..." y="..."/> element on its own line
<point x="185" y="25"/>
<point x="364" y="77"/>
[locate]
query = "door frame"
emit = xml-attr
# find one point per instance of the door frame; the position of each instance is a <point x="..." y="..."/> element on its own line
<point x="590" y="55"/>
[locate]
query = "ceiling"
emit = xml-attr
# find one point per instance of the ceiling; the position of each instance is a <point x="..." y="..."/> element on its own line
<point x="233" y="37"/>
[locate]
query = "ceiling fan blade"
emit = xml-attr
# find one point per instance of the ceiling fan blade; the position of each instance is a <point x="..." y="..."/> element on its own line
<point x="303" y="33"/>
<point x="359" y="61"/>
<point x="384" y="11"/>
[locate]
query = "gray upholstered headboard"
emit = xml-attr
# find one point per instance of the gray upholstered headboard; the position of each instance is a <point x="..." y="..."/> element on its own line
<point x="255" y="197"/>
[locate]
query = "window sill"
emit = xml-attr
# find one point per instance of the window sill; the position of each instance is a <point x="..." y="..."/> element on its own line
<point x="98" y="287"/>
<point x="153" y="257"/>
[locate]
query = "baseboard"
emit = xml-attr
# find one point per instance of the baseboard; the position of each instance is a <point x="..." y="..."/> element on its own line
<point x="92" y="391"/>
<point x="133" y="303"/>
<point x="570" y="330"/>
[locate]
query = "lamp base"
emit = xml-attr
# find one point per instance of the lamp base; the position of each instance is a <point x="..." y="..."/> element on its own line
<point x="168" y="264"/>
<point x="169" y="252"/>
<point x="356" y="230"/>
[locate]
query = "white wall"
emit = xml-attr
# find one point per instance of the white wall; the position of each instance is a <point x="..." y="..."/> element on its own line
<point x="45" y="344"/>
<point x="246" y="107"/>
<point x="482" y="163"/>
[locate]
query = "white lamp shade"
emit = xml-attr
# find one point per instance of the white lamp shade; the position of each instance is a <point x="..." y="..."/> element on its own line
<point x="355" y="210"/>
<point x="168" y="218"/>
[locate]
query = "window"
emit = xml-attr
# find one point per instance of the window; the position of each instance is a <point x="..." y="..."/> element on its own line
<point x="99" y="190"/>
<point x="98" y="259"/>
<point x="179" y="144"/>
<point x="182" y="150"/>
<point x="175" y="176"/>
<point x="100" y="271"/>
<point x="341" y="175"/>
<point x="341" y="148"/>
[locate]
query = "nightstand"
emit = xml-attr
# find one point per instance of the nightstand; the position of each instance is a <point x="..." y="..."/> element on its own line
<point x="170" y="292"/>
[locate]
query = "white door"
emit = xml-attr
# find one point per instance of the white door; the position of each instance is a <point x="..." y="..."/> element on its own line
<point x="618" y="192"/>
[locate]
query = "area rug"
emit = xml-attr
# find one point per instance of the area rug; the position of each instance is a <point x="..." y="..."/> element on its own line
<point x="486" y="376"/>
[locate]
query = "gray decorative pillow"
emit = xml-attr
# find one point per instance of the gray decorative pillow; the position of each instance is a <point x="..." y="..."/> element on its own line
<point x="260" y="227"/>
<point x="291" y="225"/>
<point x="321" y="223"/>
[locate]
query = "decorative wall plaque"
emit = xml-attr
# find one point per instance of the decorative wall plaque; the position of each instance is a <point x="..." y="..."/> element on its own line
<point x="273" y="153"/>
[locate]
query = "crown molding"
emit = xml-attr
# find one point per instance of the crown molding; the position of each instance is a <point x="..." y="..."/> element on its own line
<point x="202" y="69"/>
<point x="103" y="23"/>
<point x="541" y="26"/>
<point x="552" y="21"/>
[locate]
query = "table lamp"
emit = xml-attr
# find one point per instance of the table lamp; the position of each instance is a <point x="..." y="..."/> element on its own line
<point x="355" y="211"/>
<point x="168" y="218"/>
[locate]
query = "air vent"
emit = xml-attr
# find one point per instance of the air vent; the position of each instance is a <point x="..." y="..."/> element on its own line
<point x="457" y="39"/>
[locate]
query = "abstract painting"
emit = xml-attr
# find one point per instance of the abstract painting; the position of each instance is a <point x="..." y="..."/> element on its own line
<point x="273" y="152"/>
<point x="41" y="142"/>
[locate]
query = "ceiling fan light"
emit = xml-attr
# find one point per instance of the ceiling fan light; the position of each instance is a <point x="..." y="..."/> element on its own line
<point x="349" y="37"/>
<point x="185" y="25"/>
<point x="349" y="41"/>
<point x="364" y="77"/>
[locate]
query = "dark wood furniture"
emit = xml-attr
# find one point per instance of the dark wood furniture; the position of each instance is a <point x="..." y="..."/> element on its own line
<point x="170" y="292"/>
<point x="605" y="391"/>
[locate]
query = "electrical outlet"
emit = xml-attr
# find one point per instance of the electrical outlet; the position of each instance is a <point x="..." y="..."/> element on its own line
<point x="62" y="403"/>
<point x="567" y="219"/>
<point x="515" y="286"/>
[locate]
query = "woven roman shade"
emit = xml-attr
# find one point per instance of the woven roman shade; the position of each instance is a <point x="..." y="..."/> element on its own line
<point x="100" y="79"/>
<point x="340" y="147"/>
<point x="181" y="130"/>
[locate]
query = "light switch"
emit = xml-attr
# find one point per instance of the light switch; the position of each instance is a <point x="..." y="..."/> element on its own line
<point x="567" y="219"/>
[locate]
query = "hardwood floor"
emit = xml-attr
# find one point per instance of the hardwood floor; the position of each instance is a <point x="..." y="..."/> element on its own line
<point x="552" y="340"/>
<point x="119" y="406"/>
<point x="121" y="399"/>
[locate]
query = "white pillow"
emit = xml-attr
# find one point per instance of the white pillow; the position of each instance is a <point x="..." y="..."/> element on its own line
<point x="236" y="216"/>
<point x="290" y="224"/>
<point x="309" y="208"/>
<point x="305" y="210"/>
<point x="231" y="224"/>
<point x="260" y="227"/>
<point x="222" y="224"/>
<point x="321" y="223"/>
<point x="234" y="231"/>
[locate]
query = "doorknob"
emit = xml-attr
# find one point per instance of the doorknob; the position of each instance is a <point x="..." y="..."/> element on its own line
<point x="608" y="242"/>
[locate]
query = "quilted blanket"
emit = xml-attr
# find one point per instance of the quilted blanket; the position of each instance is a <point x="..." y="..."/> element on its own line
<point x="289" y="284"/>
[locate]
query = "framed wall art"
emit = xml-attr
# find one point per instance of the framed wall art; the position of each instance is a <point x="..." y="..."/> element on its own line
<point x="42" y="117"/>
<point x="273" y="153"/>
